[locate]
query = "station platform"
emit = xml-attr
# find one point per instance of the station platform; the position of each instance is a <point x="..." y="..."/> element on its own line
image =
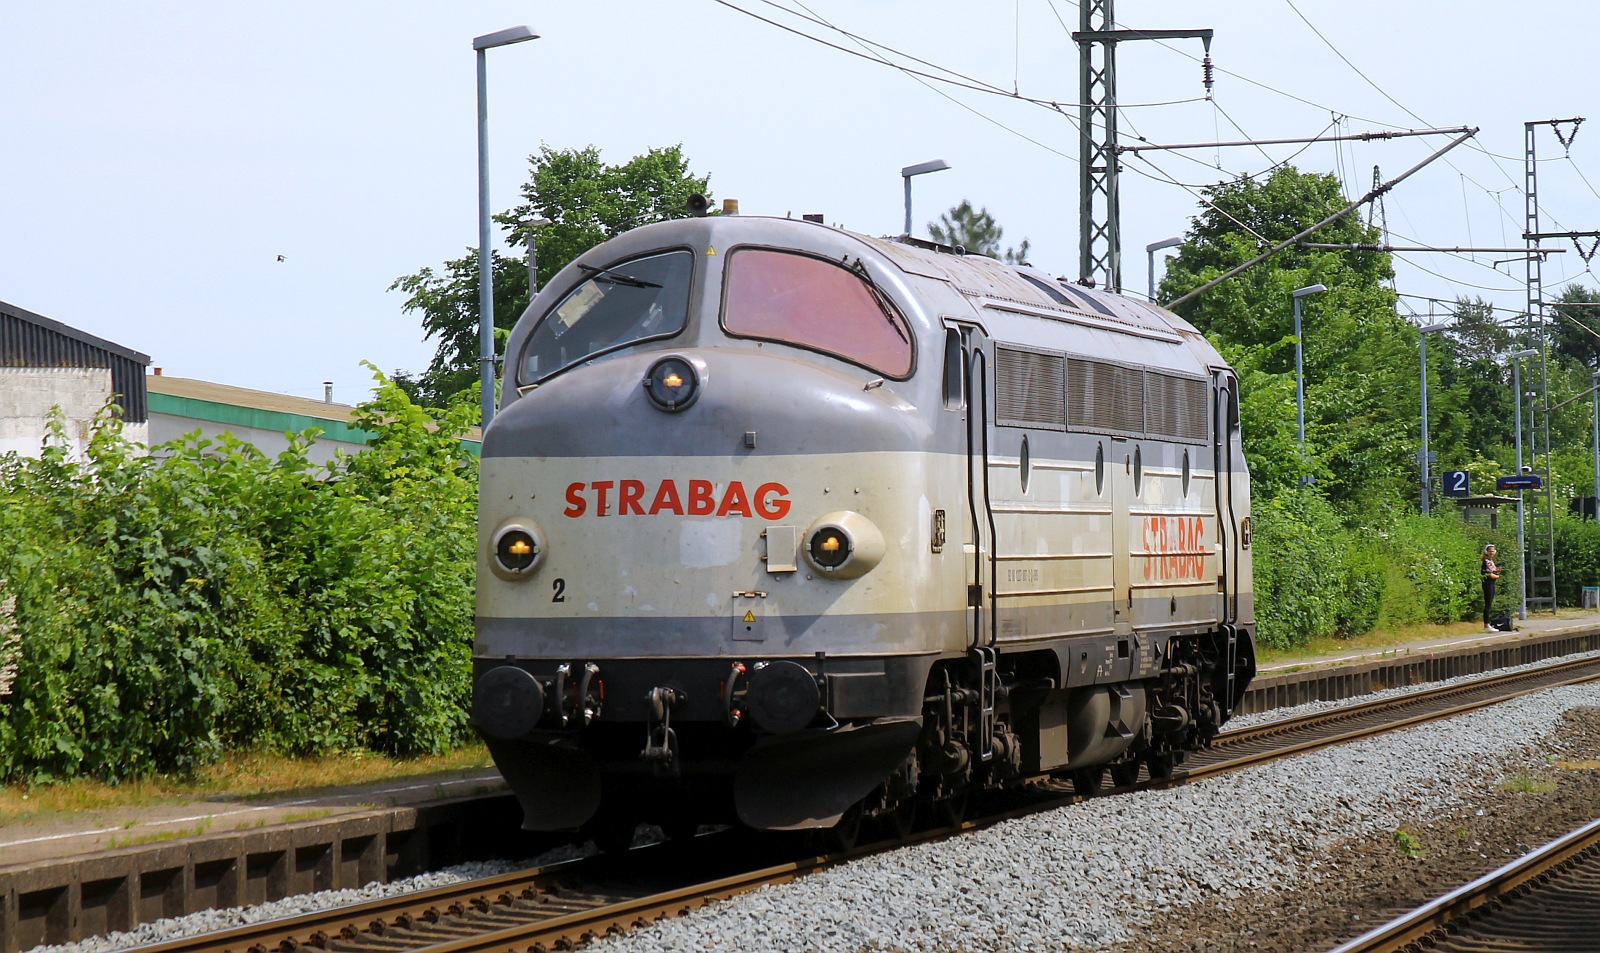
<point x="1451" y="637"/>
<point x="89" y="832"/>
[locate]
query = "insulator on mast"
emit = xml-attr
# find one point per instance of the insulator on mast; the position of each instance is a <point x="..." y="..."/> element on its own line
<point x="1205" y="72"/>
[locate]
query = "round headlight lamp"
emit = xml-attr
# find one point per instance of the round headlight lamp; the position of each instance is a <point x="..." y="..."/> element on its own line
<point x="672" y="384"/>
<point x="829" y="547"/>
<point x="516" y="549"/>
<point x="844" y="545"/>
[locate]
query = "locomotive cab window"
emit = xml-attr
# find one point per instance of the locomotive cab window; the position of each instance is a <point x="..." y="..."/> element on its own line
<point x="817" y="305"/>
<point x="628" y="302"/>
<point x="955" y="370"/>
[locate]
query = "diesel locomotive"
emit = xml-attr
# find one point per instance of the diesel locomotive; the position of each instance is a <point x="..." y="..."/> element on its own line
<point x="790" y="526"/>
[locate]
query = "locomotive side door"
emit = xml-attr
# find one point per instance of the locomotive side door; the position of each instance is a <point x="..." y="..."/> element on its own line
<point x="969" y="355"/>
<point x="1225" y="424"/>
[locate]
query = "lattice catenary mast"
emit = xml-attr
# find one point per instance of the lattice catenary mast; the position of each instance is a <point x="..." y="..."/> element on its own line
<point x="1099" y="234"/>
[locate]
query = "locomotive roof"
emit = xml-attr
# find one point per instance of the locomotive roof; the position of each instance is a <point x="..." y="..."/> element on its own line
<point x="984" y="281"/>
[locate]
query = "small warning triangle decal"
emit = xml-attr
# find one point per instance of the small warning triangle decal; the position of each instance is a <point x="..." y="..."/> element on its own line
<point x="749" y="616"/>
<point x="710" y="250"/>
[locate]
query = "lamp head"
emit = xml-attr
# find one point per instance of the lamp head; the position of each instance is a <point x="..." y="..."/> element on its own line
<point x="506" y="37"/>
<point x="1309" y="290"/>
<point x="932" y="165"/>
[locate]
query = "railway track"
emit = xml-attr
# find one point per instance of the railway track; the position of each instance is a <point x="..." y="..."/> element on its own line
<point x="1240" y="748"/>
<point x="1545" y="900"/>
<point x="560" y="907"/>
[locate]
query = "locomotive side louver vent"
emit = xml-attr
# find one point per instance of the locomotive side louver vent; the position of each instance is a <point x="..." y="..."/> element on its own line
<point x="1176" y="407"/>
<point x="1103" y="396"/>
<point x="1128" y="391"/>
<point x="1029" y="387"/>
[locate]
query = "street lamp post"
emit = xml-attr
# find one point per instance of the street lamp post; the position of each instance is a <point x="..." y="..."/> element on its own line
<point x="1150" y="254"/>
<point x="1522" y="569"/>
<point x="482" y="44"/>
<point x="932" y="165"/>
<point x="533" y="255"/>
<point x="1427" y="479"/>
<point x="1299" y="374"/>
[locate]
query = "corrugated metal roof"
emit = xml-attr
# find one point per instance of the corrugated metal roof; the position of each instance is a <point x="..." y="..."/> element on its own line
<point x="33" y="340"/>
<point x="245" y="397"/>
<point x="261" y="400"/>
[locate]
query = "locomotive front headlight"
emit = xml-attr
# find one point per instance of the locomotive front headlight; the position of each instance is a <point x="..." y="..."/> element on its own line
<point x="516" y="549"/>
<point x="844" y="545"/>
<point x="672" y="384"/>
<point x="830" y="547"/>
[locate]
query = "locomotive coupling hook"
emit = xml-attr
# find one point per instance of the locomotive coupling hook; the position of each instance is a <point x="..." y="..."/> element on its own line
<point x="663" y="699"/>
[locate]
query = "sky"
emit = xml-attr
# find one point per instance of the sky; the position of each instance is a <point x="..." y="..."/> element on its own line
<point x="232" y="188"/>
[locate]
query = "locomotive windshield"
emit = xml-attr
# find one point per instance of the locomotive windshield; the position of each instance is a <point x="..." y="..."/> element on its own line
<point x="815" y="304"/>
<point x="628" y="302"/>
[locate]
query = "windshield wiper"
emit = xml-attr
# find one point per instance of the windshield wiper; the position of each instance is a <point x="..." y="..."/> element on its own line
<point x="879" y="296"/>
<point x="615" y="277"/>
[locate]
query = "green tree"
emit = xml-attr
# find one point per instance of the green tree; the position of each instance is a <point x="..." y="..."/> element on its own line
<point x="1469" y="390"/>
<point x="585" y="201"/>
<point x="977" y="232"/>
<point x="1575" y="331"/>
<point x="1360" y="360"/>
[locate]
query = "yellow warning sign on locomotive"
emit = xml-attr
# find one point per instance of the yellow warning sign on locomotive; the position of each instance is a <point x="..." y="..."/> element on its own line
<point x="749" y="616"/>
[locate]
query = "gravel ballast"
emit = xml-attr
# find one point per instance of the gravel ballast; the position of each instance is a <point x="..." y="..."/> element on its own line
<point x="1091" y="876"/>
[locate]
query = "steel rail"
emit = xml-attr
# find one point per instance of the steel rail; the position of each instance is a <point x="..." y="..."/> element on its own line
<point x="1495" y="885"/>
<point x="567" y="931"/>
<point x="421" y="906"/>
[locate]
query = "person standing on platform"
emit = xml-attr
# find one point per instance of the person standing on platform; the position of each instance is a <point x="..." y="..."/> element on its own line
<point x="1491" y="573"/>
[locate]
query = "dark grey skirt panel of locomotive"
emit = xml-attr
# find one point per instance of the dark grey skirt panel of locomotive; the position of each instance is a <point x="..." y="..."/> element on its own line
<point x="780" y="522"/>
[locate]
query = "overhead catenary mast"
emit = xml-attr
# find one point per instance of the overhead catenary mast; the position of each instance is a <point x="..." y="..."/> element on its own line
<point x="1099" y="234"/>
<point x="1539" y="561"/>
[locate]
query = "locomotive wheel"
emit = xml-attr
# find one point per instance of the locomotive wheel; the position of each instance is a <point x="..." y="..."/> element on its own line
<point x="679" y="829"/>
<point x="843" y="835"/>
<point x="612" y="833"/>
<point x="950" y="811"/>
<point x="1124" y="775"/>
<point x="1160" y="766"/>
<point x="1086" y="781"/>
<point x="899" y="820"/>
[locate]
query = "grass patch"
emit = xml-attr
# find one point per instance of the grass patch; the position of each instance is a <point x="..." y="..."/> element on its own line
<point x="1408" y="843"/>
<point x="1524" y="782"/>
<point x="240" y="776"/>
<point x="158" y="836"/>
<point x="1585" y="765"/>
<point x="1375" y="642"/>
<point x="305" y="816"/>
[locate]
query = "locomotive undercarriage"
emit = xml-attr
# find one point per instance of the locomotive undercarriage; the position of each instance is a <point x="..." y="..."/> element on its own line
<point x="828" y="743"/>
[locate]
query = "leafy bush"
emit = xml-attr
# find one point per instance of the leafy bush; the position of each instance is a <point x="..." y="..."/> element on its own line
<point x="166" y="608"/>
<point x="1300" y="569"/>
<point x="1315" y="578"/>
<point x="1577" y="558"/>
<point x="1435" y="573"/>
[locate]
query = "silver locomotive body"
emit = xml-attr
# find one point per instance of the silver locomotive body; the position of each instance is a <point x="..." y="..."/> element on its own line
<point x="785" y="524"/>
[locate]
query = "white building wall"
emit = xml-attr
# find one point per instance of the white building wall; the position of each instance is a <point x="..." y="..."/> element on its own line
<point x="165" y="427"/>
<point x="27" y="395"/>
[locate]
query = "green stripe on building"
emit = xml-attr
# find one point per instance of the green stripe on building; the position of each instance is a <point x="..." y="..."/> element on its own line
<point x="272" y="420"/>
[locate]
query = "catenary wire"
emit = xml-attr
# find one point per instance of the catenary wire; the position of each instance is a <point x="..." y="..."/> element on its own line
<point x="965" y="82"/>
